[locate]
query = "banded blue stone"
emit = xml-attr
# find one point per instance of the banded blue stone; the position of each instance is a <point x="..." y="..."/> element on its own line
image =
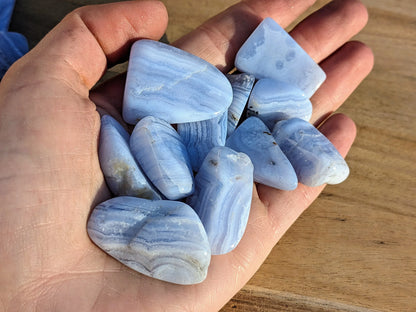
<point x="121" y="172"/>
<point x="242" y="85"/>
<point x="173" y="85"/>
<point x="271" y="167"/>
<point x="222" y="197"/>
<point x="270" y="52"/>
<point x="272" y="101"/>
<point x="162" y="239"/>
<point x="159" y="150"/>
<point x="200" y="137"/>
<point x="315" y="159"/>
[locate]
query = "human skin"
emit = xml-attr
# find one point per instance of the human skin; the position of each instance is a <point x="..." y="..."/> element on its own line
<point x="51" y="178"/>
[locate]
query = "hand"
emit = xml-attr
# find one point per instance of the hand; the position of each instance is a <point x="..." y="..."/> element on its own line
<point x="51" y="179"/>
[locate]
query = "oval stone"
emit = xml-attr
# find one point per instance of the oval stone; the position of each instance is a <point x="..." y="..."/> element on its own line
<point x="222" y="198"/>
<point x="173" y="85"/>
<point x="271" y="166"/>
<point x="121" y="172"/>
<point x="272" y="101"/>
<point x="159" y="150"/>
<point x="162" y="239"/>
<point x="314" y="158"/>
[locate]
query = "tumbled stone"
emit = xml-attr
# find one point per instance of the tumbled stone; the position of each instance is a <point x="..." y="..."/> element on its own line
<point x="12" y="47"/>
<point x="242" y="85"/>
<point x="121" y="172"/>
<point x="270" y="52"/>
<point x="314" y="158"/>
<point x="222" y="198"/>
<point x="200" y="137"/>
<point x="271" y="167"/>
<point x="173" y="85"/>
<point x="272" y="101"/>
<point x="162" y="239"/>
<point x="162" y="155"/>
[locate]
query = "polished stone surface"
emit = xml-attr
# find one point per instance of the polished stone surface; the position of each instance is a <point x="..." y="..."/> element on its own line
<point x="315" y="159"/>
<point x="222" y="198"/>
<point x="173" y="85"/>
<point x="242" y="85"/>
<point x="200" y="137"/>
<point x="121" y="172"/>
<point x="162" y="239"/>
<point x="270" y="52"/>
<point x="271" y="167"/>
<point x="159" y="150"/>
<point x="272" y="101"/>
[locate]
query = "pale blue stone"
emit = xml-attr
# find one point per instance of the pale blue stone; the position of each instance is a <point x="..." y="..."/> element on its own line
<point x="200" y="137"/>
<point x="315" y="159"/>
<point x="242" y="85"/>
<point x="222" y="198"/>
<point x="12" y="47"/>
<point x="272" y="101"/>
<point x="162" y="155"/>
<point x="173" y="85"/>
<point x="270" y="52"/>
<point x="121" y="172"/>
<point x="162" y="239"/>
<point x="271" y="167"/>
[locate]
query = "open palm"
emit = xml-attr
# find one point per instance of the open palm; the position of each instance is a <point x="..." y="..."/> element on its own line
<point x="51" y="179"/>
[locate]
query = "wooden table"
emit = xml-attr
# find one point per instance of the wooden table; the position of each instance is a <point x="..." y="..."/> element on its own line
<point x="354" y="249"/>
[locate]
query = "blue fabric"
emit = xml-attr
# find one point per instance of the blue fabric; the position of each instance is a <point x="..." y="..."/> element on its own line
<point x="6" y="11"/>
<point x="12" y="45"/>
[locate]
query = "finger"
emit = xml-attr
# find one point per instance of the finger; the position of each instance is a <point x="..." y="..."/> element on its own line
<point x="90" y="37"/>
<point x="285" y="207"/>
<point x="320" y="34"/>
<point x="345" y="70"/>
<point x="218" y="40"/>
<point x="108" y="96"/>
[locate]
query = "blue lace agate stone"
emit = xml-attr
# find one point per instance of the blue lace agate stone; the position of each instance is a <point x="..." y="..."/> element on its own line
<point x="270" y="52"/>
<point x="242" y="85"/>
<point x="222" y="197"/>
<point x="272" y="101"/>
<point x="315" y="159"/>
<point x="121" y="172"/>
<point x="161" y="154"/>
<point x="200" y="137"/>
<point x="173" y="85"/>
<point x="162" y="239"/>
<point x="271" y="167"/>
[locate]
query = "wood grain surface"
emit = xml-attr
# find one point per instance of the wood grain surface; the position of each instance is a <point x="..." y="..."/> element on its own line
<point x="354" y="249"/>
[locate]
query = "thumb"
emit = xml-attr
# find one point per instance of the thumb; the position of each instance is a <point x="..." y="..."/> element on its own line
<point x="79" y="48"/>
